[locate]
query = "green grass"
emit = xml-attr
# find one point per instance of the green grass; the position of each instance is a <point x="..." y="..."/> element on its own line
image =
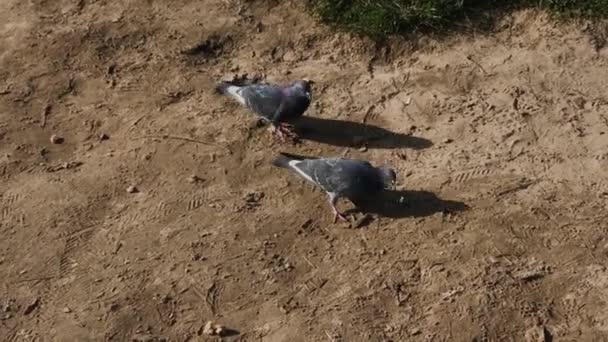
<point x="380" y="18"/>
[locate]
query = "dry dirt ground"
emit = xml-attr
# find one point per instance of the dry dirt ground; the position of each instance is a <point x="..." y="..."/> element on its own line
<point x="497" y="231"/>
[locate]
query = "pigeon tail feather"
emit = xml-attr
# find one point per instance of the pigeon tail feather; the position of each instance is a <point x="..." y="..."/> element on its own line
<point x="227" y="88"/>
<point x="283" y="160"/>
<point x="222" y="87"/>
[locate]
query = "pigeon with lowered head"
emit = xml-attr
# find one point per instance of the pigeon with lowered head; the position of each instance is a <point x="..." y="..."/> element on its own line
<point x="278" y="105"/>
<point x="340" y="177"/>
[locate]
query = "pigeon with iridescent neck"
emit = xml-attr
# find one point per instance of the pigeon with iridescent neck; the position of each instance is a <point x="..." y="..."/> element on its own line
<point x="278" y="105"/>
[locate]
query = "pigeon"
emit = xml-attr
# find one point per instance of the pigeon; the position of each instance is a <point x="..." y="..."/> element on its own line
<point x="340" y="177"/>
<point x="274" y="104"/>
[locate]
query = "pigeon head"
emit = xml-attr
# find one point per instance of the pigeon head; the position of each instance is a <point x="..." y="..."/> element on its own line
<point x="304" y="84"/>
<point x="388" y="176"/>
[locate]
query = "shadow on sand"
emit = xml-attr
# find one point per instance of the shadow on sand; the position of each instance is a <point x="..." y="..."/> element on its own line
<point x="399" y="204"/>
<point x="355" y="134"/>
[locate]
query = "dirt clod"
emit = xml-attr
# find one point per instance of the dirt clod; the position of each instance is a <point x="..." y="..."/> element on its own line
<point x="194" y="179"/>
<point x="212" y="329"/>
<point x="538" y="334"/>
<point x="31" y="307"/>
<point x="55" y="139"/>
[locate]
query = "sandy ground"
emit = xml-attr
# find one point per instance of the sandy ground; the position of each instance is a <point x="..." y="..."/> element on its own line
<point x="500" y="143"/>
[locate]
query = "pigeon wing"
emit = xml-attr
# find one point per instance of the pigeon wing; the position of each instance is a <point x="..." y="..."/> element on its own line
<point x="264" y="100"/>
<point x="331" y="174"/>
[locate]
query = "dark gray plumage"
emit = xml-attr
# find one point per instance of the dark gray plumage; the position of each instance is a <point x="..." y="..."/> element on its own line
<point x="279" y="105"/>
<point x="339" y="177"/>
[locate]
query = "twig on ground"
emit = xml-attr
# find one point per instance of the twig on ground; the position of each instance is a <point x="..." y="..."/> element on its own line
<point x="329" y="336"/>
<point x="470" y="58"/>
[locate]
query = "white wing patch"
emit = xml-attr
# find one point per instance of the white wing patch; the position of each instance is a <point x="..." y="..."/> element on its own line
<point x="294" y="165"/>
<point x="235" y="92"/>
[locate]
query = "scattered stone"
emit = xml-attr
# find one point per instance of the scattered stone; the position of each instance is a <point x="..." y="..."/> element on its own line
<point x="220" y="330"/>
<point x="194" y="179"/>
<point x="132" y="189"/>
<point x="252" y="200"/>
<point x="290" y="56"/>
<point x="67" y="310"/>
<point x="208" y="329"/>
<point x="579" y="102"/>
<point x="448" y="141"/>
<point x="259" y="27"/>
<point x="103" y="137"/>
<point x="55" y="139"/>
<point x="415" y="332"/>
<point x="538" y="334"/>
<point x="363" y="149"/>
<point x="212" y="329"/>
<point x="31" y="307"/>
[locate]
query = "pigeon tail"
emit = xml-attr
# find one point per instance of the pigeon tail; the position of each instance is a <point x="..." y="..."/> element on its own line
<point x="283" y="160"/>
<point x="227" y="88"/>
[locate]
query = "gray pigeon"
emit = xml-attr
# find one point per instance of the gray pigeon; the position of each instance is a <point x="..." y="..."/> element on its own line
<point x="279" y="105"/>
<point x="339" y="177"/>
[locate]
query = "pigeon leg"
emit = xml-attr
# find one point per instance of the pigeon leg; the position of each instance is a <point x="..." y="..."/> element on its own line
<point x="283" y="133"/>
<point x="278" y="133"/>
<point x="337" y="214"/>
<point x="288" y="130"/>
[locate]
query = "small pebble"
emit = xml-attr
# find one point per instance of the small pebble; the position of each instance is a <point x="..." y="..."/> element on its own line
<point x="67" y="310"/>
<point x="31" y="307"/>
<point x="208" y="329"/>
<point x="55" y="139"/>
<point x="132" y="189"/>
<point x="212" y="329"/>
<point x="104" y="136"/>
<point x="448" y="140"/>
<point x="193" y="179"/>
<point x="219" y="330"/>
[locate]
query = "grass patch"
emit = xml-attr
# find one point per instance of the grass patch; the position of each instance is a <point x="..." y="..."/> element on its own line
<point x="380" y="18"/>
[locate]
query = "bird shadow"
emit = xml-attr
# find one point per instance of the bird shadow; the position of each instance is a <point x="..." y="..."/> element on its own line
<point x="355" y="134"/>
<point x="407" y="203"/>
<point x="230" y="332"/>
